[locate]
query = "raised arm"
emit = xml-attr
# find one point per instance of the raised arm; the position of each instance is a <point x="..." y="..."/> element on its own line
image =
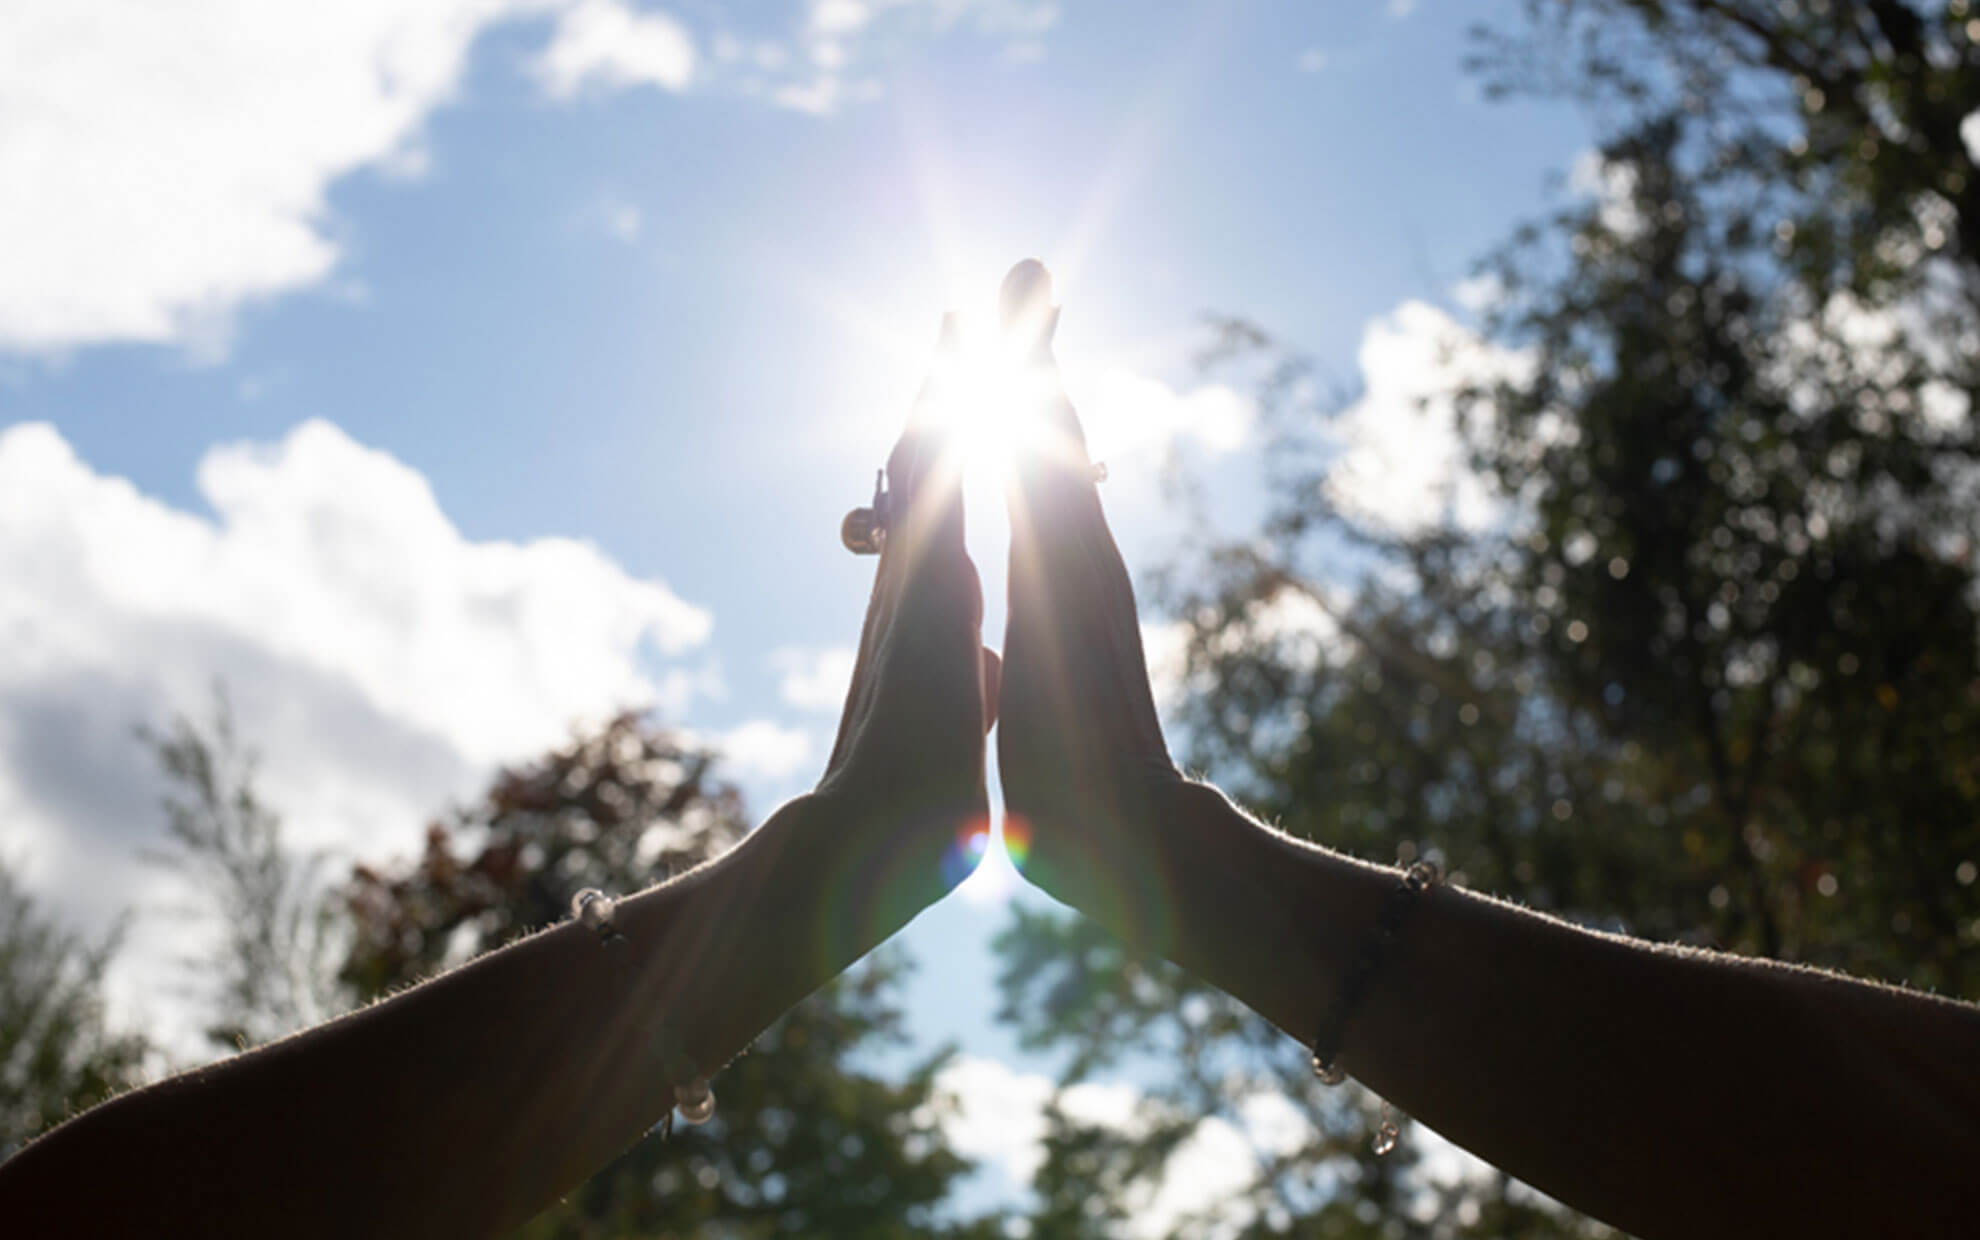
<point x="1673" y="1093"/>
<point x="467" y="1104"/>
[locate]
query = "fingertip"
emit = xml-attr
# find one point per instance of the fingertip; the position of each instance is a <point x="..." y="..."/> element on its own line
<point x="1027" y="312"/>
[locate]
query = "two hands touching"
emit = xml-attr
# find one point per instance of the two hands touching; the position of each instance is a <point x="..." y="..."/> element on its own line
<point x="1671" y="1093"/>
<point x="1080" y="749"/>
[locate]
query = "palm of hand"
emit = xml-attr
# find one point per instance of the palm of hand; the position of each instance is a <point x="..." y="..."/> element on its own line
<point x="1081" y="752"/>
<point x="907" y="770"/>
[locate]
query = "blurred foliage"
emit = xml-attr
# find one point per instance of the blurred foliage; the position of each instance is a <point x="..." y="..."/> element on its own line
<point x="265" y="973"/>
<point x="803" y="1142"/>
<point x="1707" y="670"/>
<point x="57" y="1055"/>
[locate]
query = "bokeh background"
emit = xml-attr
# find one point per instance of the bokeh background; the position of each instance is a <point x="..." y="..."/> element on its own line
<point x="1541" y="431"/>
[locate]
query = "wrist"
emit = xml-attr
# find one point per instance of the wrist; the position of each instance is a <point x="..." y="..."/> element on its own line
<point x="1273" y="920"/>
<point x="739" y="949"/>
<point x="842" y="869"/>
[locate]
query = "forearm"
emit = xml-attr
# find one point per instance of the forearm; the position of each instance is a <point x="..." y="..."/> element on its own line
<point x="467" y="1104"/>
<point x="1670" y="1092"/>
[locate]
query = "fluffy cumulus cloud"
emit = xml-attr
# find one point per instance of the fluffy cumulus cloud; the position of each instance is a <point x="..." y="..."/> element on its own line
<point x="606" y="44"/>
<point x="380" y="662"/>
<point x="763" y="749"/>
<point x="1129" y="415"/>
<point x="1402" y="462"/>
<point x="164" y="164"/>
<point x="998" y="1117"/>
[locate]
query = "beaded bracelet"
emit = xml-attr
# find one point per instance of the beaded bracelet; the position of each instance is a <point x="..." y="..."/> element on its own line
<point x="1417" y="879"/>
<point x="594" y="910"/>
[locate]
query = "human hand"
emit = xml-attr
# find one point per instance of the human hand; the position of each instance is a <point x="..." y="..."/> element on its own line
<point x="906" y="772"/>
<point x="1081" y="751"/>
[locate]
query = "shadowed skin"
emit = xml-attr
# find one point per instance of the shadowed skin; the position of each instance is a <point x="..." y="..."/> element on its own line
<point x="1671" y="1092"/>
<point x="465" y="1105"/>
<point x="1674" y="1093"/>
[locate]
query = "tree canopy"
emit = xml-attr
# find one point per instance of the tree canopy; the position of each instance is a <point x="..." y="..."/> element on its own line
<point x="1693" y="654"/>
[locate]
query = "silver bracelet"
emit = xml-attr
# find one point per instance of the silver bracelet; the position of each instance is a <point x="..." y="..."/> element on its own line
<point x="1360" y="979"/>
<point x="594" y="910"/>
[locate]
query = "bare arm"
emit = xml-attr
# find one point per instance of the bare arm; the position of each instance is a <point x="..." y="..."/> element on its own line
<point x="469" y="1103"/>
<point x="1673" y="1093"/>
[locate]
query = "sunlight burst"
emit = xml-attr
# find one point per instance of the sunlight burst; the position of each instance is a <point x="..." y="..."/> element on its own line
<point x="986" y="389"/>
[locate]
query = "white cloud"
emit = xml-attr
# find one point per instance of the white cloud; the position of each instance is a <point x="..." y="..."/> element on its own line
<point x="814" y="679"/>
<point x="1000" y="1112"/>
<point x="1403" y="463"/>
<point x="162" y="164"/>
<point x="1128" y="415"/>
<point x="998" y="1118"/>
<point x="1401" y="8"/>
<point x="380" y="661"/>
<point x="840" y="16"/>
<point x="1312" y="60"/>
<point x="838" y="39"/>
<point x="606" y="44"/>
<point x="764" y="749"/>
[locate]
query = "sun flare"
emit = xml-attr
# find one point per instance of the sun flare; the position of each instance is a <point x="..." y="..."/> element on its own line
<point x="986" y="391"/>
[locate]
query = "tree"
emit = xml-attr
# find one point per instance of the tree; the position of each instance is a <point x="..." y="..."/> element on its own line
<point x="57" y="1053"/>
<point x="1855" y="110"/>
<point x="802" y="1142"/>
<point x="267" y="962"/>
<point x="1705" y="668"/>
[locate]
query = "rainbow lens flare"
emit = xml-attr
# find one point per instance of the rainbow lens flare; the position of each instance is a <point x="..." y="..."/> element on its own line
<point x="964" y="852"/>
<point x="1017" y="839"/>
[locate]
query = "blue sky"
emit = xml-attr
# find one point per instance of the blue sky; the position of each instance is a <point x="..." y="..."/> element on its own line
<point x="602" y="314"/>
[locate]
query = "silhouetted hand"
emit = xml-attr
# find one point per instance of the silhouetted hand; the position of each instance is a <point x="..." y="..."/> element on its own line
<point x="1081" y="750"/>
<point x="906" y="773"/>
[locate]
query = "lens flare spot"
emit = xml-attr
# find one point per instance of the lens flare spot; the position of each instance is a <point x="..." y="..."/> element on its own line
<point x="1017" y="839"/>
<point x="960" y="858"/>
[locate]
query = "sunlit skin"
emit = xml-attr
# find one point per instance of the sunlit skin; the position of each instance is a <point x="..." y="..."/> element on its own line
<point x="1673" y="1093"/>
